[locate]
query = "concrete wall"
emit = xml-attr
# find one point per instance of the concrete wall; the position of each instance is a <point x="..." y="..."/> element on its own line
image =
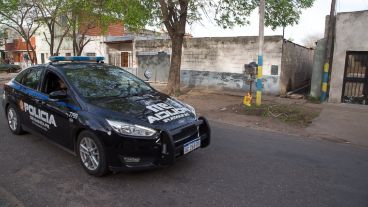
<point x="158" y="64"/>
<point x="318" y="62"/>
<point x="297" y="65"/>
<point x="351" y="35"/>
<point x="218" y="62"/>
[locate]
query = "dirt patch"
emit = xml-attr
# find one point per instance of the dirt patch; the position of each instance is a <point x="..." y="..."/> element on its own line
<point x="282" y="115"/>
<point x="300" y="116"/>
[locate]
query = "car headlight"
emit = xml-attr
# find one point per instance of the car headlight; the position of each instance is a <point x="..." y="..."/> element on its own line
<point x="131" y="129"/>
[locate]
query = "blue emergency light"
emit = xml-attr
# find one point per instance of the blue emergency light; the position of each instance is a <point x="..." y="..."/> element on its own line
<point x="76" y="58"/>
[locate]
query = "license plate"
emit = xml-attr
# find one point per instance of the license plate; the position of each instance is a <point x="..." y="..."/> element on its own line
<point x="192" y="145"/>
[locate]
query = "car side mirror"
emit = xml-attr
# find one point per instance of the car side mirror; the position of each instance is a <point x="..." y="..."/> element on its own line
<point x="57" y="95"/>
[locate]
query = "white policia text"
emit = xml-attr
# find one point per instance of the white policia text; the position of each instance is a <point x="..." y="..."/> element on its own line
<point x="166" y="113"/>
<point x="39" y="117"/>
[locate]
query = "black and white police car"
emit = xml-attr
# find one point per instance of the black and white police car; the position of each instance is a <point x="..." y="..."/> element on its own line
<point x="106" y="116"/>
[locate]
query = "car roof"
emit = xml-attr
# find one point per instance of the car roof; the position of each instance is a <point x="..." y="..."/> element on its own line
<point x="63" y="65"/>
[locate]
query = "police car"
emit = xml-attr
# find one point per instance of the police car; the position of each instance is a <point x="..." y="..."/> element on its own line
<point x="110" y="119"/>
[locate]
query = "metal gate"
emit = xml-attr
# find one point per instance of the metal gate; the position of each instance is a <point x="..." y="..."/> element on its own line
<point x="355" y="85"/>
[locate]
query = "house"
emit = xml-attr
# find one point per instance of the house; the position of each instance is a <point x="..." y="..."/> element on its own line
<point x="95" y="46"/>
<point x="15" y="48"/>
<point x="349" y="74"/>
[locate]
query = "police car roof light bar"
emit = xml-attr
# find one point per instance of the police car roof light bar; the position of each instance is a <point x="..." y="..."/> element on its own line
<point x="76" y="58"/>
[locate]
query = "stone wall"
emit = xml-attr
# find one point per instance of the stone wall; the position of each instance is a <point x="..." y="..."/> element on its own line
<point x="351" y="35"/>
<point x="297" y="66"/>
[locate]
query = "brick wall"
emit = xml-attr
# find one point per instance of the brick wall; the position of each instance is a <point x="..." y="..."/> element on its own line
<point x="115" y="29"/>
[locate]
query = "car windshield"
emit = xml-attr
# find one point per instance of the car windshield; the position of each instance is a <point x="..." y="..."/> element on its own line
<point x="101" y="81"/>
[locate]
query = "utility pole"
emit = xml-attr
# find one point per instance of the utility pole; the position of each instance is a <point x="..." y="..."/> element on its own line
<point x="260" y="52"/>
<point x="329" y="52"/>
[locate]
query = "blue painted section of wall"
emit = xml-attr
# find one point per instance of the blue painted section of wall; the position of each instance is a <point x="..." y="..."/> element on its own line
<point x="232" y="81"/>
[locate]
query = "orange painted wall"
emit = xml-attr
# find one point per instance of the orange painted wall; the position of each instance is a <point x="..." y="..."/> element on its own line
<point x="18" y="44"/>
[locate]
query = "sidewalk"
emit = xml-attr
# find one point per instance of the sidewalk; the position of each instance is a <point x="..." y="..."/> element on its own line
<point x="5" y="77"/>
<point x="343" y="123"/>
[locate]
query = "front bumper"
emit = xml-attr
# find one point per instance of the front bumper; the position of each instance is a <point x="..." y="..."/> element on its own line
<point x="141" y="154"/>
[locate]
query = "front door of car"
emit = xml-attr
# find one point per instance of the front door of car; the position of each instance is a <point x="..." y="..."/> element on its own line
<point x="28" y="96"/>
<point x="61" y="111"/>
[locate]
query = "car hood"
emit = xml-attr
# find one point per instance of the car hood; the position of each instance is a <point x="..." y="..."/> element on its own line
<point x="155" y="110"/>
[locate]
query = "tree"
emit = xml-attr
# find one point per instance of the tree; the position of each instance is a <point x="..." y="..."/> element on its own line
<point x="50" y="14"/>
<point x="175" y="14"/>
<point x="21" y="17"/>
<point x="2" y="36"/>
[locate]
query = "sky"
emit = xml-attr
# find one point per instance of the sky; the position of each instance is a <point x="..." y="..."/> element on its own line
<point x="312" y="22"/>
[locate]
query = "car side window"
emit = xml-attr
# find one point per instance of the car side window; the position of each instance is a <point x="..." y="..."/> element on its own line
<point x="32" y="79"/>
<point x="20" y="76"/>
<point x="53" y="83"/>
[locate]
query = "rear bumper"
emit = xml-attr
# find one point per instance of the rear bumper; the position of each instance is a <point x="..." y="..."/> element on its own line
<point x="138" y="154"/>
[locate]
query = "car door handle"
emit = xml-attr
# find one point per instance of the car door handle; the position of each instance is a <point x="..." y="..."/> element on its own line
<point x="40" y="102"/>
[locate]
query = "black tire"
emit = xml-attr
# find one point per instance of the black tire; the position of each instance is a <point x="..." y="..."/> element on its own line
<point x="17" y="130"/>
<point x="102" y="168"/>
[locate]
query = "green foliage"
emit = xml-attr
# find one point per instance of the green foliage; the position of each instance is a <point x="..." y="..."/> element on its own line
<point x="229" y="13"/>
<point x="104" y="12"/>
<point x="282" y="13"/>
<point x="134" y="14"/>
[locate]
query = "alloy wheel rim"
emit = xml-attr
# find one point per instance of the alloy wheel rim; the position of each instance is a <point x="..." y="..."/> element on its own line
<point x="12" y="119"/>
<point x="89" y="153"/>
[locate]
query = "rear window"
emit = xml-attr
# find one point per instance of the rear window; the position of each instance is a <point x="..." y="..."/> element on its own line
<point x="30" y="77"/>
<point x="100" y="81"/>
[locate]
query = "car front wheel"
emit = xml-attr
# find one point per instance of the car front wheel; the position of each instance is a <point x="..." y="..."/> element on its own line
<point x="91" y="154"/>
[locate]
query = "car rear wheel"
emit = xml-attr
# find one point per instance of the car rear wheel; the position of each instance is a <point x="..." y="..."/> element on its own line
<point x="14" y="122"/>
<point x="92" y="154"/>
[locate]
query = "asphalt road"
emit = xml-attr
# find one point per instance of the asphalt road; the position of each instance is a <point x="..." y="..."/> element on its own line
<point x="242" y="167"/>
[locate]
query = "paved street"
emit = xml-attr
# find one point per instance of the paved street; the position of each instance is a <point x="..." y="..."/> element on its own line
<point x="242" y="167"/>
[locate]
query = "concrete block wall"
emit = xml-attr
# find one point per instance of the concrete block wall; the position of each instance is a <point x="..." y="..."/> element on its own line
<point x="218" y="62"/>
<point x="297" y="66"/>
<point x="351" y="35"/>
